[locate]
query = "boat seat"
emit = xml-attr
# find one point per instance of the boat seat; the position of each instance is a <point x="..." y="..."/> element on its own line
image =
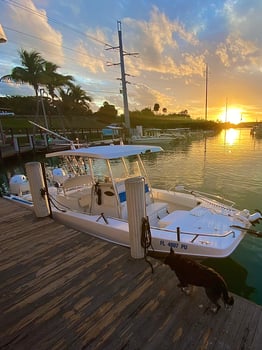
<point x="78" y="199"/>
<point x="76" y="182"/>
<point x="169" y="219"/>
<point x="155" y="208"/>
<point x="155" y="211"/>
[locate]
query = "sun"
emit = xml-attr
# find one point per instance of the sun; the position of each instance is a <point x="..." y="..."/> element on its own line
<point x="232" y="115"/>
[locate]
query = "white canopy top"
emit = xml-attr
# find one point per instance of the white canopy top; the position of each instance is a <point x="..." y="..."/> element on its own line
<point x="107" y="152"/>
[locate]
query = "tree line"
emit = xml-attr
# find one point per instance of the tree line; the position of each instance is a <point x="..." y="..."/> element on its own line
<point x="59" y="95"/>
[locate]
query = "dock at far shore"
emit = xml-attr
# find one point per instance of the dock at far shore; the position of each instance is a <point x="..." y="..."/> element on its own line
<point x="63" y="289"/>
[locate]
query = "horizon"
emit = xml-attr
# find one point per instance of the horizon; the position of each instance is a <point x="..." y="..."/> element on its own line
<point x="174" y="42"/>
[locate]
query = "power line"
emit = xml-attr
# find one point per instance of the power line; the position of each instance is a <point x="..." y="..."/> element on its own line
<point x="28" y="9"/>
<point x="51" y="43"/>
<point x="16" y="4"/>
<point x="57" y="55"/>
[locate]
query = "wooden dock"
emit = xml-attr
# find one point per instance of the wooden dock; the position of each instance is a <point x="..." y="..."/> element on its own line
<point x="62" y="289"/>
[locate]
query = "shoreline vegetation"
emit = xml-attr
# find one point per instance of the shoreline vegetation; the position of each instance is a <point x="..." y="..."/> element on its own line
<point x="20" y="123"/>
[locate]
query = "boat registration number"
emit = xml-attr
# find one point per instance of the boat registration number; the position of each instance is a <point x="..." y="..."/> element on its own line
<point x="176" y="245"/>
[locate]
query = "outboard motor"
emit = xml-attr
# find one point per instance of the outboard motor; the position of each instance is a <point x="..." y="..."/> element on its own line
<point x="59" y="175"/>
<point x="19" y="185"/>
<point x="254" y="218"/>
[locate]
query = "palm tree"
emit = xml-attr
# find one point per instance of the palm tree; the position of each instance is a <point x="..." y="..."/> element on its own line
<point x="31" y="71"/>
<point x="74" y="99"/>
<point x="54" y="80"/>
<point x="156" y="107"/>
<point x="79" y="96"/>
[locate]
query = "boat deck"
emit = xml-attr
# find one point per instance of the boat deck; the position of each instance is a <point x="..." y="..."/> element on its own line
<point x="62" y="289"/>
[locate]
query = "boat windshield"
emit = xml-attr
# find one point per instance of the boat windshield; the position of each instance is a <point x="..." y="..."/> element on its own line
<point x="118" y="169"/>
<point x="105" y="170"/>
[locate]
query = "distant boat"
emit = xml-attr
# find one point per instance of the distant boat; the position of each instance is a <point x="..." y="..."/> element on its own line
<point x="145" y="140"/>
<point x="5" y="112"/>
<point x="153" y="136"/>
<point x="256" y="131"/>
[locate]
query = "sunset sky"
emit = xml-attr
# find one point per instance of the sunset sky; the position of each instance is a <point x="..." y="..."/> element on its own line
<point x="174" y="40"/>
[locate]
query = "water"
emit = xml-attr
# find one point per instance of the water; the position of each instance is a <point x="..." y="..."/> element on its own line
<point x="228" y="164"/>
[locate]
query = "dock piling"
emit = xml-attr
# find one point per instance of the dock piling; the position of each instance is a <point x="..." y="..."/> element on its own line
<point x="135" y="196"/>
<point x="36" y="183"/>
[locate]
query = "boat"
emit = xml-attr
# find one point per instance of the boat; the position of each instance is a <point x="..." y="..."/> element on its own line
<point x="256" y="131"/>
<point x="155" y="140"/>
<point x="152" y="136"/>
<point x="92" y="198"/>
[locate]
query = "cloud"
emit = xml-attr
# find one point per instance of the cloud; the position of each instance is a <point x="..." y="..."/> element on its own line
<point x="237" y="52"/>
<point x="160" y="42"/>
<point x="174" y="41"/>
<point x="89" y="60"/>
<point x="14" y="89"/>
<point x="43" y="36"/>
<point x="242" y="46"/>
<point x="146" y="96"/>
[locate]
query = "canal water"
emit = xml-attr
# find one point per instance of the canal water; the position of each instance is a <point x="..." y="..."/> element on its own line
<point x="228" y="164"/>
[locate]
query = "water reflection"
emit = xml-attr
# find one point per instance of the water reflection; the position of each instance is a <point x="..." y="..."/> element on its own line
<point x="231" y="136"/>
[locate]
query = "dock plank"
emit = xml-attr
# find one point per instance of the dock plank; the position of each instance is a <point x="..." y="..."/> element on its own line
<point x="63" y="289"/>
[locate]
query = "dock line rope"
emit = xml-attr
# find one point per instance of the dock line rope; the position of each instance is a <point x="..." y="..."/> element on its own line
<point x="146" y="239"/>
<point x="52" y="200"/>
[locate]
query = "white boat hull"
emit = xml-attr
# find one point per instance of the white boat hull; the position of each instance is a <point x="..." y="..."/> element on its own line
<point x="117" y="232"/>
<point x="192" y="223"/>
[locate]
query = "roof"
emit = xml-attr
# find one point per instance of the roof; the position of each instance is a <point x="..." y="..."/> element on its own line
<point x="107" y="152"/>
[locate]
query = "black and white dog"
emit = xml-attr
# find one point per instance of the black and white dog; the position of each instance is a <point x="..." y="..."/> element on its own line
<point x="190" y="272"/>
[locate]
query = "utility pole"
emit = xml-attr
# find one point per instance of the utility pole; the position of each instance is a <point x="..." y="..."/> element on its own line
<point x="122" y="53"/>
<point x="226" y="112"/>
<point x="206" y="91"/>
<point x="123" y="77"/>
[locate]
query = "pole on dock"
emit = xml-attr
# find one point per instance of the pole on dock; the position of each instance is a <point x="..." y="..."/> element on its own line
<point x="135" y="197"/>
<point x="36" y="183"/>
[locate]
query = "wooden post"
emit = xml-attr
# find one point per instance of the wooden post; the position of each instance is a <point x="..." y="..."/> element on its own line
<point x="16" y="144"/>
<point x="135" y="196"/>
<point x="36" y="183"/>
